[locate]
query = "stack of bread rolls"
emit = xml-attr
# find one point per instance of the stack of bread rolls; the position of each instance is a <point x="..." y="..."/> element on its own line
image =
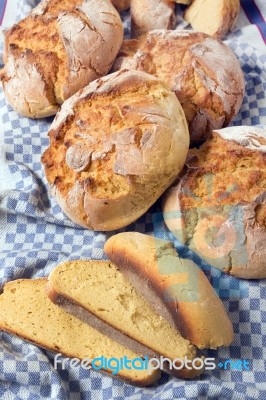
<point x="127" y="113"/>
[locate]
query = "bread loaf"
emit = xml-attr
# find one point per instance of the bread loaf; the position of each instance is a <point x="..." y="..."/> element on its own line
<point x="203" y="72"/>
<point x="114" y="149"/>
<point x="99" y="294"/>
<point x="218" y="207"/>
<point x="213" y="17"/>
<point x="147" y="15"/>
<point x="58" y="49"/>
<point x="26" y="311"/>
<point x="176" y="288"/>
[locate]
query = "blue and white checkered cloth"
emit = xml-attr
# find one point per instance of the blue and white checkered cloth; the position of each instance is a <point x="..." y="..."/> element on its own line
<point x="35" y="236"/>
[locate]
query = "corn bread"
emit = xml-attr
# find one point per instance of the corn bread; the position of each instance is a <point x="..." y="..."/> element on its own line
<point x="202" y="71"/>
<point x="213" y="17"/>
<point x="218" y="207"/>
<point x="115" y="147"/>
<point x="99" y="294"/>
<point x="176" y="288"/>
<point x="58" y="49"/>
<point x="26" y="311"/>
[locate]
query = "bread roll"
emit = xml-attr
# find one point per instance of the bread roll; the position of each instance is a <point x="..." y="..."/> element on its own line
<point x="213" y="17"/>
<point x="100" y="295"/>
<point x="218" y="207"/>
<point x="26" y="311"/>
<point x="114" y="149"/>
<point x="203" y="72"/>
<point x="147" y="15"/>
<point x="58" y="49"/>
<point x="176" y="288"/>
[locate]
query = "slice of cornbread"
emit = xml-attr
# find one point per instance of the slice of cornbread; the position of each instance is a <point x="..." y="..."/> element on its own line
<point x="26" y="311"/>
<point x="99" y="294"/>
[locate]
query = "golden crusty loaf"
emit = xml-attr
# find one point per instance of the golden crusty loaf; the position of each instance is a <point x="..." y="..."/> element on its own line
<point x="176" y="288"/>
<point x="114" y="149"/>
<point x="26" y="311"/>
<point x="213" y="17"/>
<point x="99" y="294"/>
<point x="147" y="15"/>
<point x="203" y="72"/>
<point x="121" y="5"/>
<point x="58" y="49"/>
<point x="218" y="207"/>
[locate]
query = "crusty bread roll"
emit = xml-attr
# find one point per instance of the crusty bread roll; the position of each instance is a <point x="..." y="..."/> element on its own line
<point x="213" y="17"/>
<point x="121" y="5"/>
<point x="218" y="207"/>
<point x="114" y="149"/>
<point x="100" y="295"/>
<point x="176" y="288"/>
<point x="26" y="311"/>
<point x="58" y="49"/>
<point x="203" y="72"/>
<point x="147" y="15"/>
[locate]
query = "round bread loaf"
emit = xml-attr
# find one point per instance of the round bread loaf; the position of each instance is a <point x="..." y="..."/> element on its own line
<point x="203" y="72"/>
<point x="213" y="17"/>
<point x="58" y="49"/>
<point x="114" y="149"/>
<point x="218" y="207"/>
<point x="147" y="15"/>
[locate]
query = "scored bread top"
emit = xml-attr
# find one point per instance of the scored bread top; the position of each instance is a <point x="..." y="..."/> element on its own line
<point x="203" y="72"/>
<point x="58" y="49"/>
<point x="26" y="311"/>
<point x="103" y="291"/>
<point x="223" y="190"/>
<point x="114" y="148"/>
<point x="176" y="288"/>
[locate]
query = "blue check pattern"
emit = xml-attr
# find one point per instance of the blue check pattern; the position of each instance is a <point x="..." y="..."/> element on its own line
<point x="35" y="236"/>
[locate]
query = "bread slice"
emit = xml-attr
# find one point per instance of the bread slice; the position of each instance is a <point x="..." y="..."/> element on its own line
<point x="26" y="311"/>
<point x="99" y="294"/>
<point x="213" y="17"/>
<point x="175" y="287"/>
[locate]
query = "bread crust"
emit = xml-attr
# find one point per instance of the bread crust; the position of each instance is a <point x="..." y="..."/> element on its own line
<point x="203" y="72"/>
<point x="77" y="310"/>
<point x="147" y="15"/>
<point x="45" y="61"/>
<point x="107" y="166"/>
<point x="153" y="267"/>
<point x="215" y="19"/>
<point x="233" y="207"/>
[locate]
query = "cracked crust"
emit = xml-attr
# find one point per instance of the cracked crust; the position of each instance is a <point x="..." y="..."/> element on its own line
<point x="147" y="15"/>
<point x="45" y="61"/>
<point x="215" y="18"/>
<point x="115" y="147"/>
<point x="176" y="288"/>
<point x="203" y="72"/>
<point x="218" y="206"/>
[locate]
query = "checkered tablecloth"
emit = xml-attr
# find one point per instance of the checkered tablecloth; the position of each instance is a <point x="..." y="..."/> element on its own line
<point x="35" y="236"/>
